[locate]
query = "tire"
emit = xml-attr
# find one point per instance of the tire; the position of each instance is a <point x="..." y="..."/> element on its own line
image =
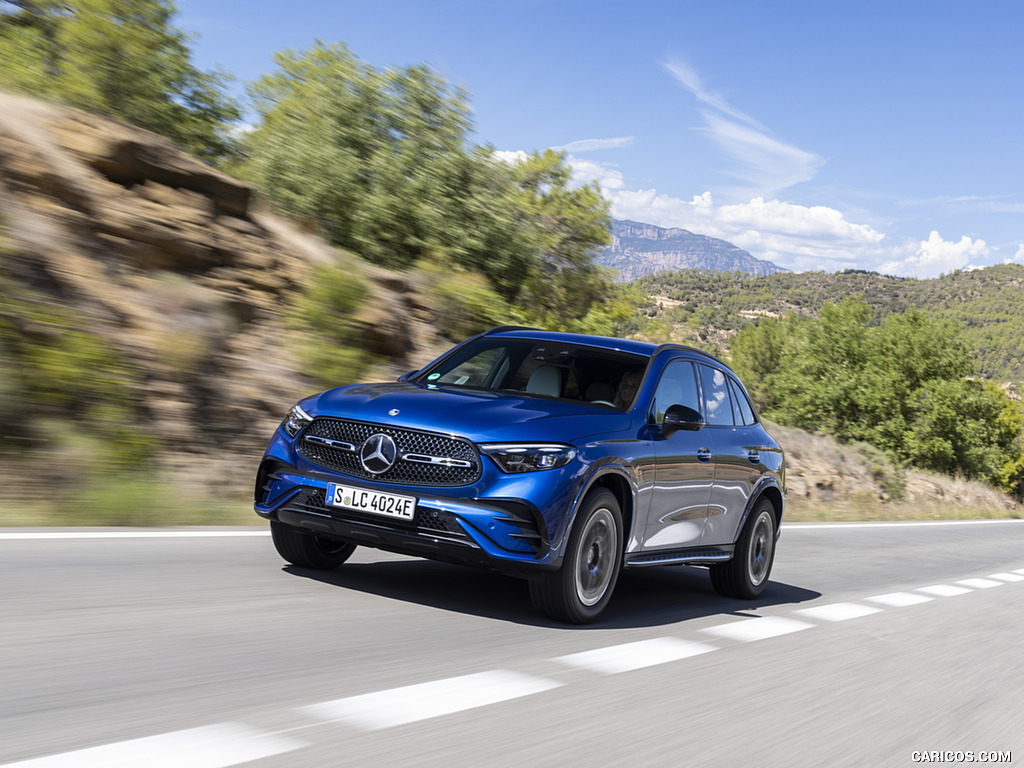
<point x="746" y="575"/>
<point x="579" y="591"/>
<point x="308" y="551"/>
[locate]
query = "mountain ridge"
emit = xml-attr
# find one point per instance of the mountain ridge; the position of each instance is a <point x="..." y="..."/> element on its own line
<point x="707" y="307"/>
<point x="639" y="249"/>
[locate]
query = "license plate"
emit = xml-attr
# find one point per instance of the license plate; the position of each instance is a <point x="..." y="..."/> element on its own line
<point x="362" y="500"/>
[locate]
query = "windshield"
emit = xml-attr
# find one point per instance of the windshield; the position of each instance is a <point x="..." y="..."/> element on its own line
<point x="574" y="372"/>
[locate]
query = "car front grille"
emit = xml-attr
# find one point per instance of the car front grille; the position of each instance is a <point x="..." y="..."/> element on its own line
<point x="424" y="458"/>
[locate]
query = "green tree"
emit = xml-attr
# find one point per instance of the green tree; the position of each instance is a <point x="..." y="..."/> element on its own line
<point x="965" y="427"/>
<point x="380" y="162"/>
<point x="759" y="355"/>
<point x="564" y="224"/>
<point x="900" y="386"/>
<point x="822" y="382"/>
<point x="120" y="58"/>
<point x="377" y="160"/>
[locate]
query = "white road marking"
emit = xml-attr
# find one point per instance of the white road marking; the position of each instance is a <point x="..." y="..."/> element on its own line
<point x="398" y="706"/>
<point x="630" y="656"/>
<point x="899" y="599"/>
<point x="980" y="583"/>
<point x="1007" y="576"/>
<point x="211" y="746"/>
<point x="760" y="628"/>
<point x="229" y="744"/>
<point x="838" y="611"/>
<point x="907" y="524"/>
<point x="108" y="534"/>
<point x="944" y="590"/>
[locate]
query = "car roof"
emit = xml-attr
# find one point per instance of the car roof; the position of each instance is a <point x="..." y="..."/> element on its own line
<point x="602" y="342"/>
<point x="645" y="348"/>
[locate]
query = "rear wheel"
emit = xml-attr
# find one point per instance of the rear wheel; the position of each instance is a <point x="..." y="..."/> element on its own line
<point x="579" y="591"/>
<point x="746" y="575"/>
<point x="307" y="550"/>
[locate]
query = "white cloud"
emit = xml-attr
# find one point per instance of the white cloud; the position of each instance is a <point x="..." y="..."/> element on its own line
<point x="935" y="256"/>
<point x="608" y="177"/>
<point x="688" y="78"/>
<point x="1018" y="257"/>
<point x="793" y="236"/>
<point x="241" y="130"/>
<point x="591" y="145"/>
<point x="764" y="165"/>
<point x="797" y="237"/>
<point x="510" y="157"/>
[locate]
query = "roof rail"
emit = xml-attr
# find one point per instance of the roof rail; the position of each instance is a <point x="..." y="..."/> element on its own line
<point x="500" y="328"/>
<point x="685" y="348"/>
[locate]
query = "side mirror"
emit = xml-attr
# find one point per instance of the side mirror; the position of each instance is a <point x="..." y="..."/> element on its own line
<point x="407" y="375"/>
<point x="681" y="417"/>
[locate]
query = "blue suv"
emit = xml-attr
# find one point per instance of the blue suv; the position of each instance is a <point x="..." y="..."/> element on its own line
<point x="559" y="458"/>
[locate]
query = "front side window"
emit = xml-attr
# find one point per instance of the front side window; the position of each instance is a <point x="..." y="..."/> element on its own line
<point x="677" y="386"/>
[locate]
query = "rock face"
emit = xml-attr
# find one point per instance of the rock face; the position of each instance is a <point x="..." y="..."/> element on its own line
<point x="168" y="260"/>
<point x="643" y="249"/>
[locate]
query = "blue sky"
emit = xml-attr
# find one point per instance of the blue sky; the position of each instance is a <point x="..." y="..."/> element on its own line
<point x="872" y="135"/>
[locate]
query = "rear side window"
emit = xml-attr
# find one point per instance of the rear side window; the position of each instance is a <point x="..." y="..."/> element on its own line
<point x="741" y="405"/>
<point x="716" y="400"/>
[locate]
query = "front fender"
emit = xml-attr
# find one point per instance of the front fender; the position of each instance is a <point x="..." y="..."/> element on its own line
<point x="619" y="477"/>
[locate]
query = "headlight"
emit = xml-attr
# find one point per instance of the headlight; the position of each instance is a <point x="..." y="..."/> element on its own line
<point x="295" y="421"/>
<point x="529" y="457"/>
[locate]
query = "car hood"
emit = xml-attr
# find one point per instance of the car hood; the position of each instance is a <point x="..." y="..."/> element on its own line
<point x="481" y="416"/>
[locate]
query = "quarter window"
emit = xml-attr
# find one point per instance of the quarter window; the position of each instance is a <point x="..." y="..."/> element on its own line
<point x="744" y="411"/>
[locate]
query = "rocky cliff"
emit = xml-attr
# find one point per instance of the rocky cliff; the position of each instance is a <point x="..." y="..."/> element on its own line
<point x="169" y="261"/>
<point x="642" y="249"/>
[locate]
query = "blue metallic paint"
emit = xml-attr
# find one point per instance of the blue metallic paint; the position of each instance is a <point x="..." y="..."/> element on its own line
<point x="616" y="449"/>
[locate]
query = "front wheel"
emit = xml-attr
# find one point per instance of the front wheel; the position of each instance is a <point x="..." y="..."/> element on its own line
<point x="579" y="591"/>
<point x="307" y="550"/>
<point x="746" y="575"/>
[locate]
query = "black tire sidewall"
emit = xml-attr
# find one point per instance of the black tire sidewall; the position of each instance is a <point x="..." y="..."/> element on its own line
<point x="308" y="551"/>
<point x="562" y="601"/>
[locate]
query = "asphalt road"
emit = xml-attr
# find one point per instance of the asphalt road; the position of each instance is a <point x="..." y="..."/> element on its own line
<point x="871" y="644"/>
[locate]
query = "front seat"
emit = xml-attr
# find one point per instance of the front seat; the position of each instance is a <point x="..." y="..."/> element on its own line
<point x="545" y="380"/>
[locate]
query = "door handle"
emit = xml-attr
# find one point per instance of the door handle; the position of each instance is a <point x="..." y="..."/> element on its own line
<point x="754" y="456"/>
<point x="704" y="454"/>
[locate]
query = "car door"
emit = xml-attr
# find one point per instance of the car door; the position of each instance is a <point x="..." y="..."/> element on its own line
<point x="684" y="465"/>
<point x="737" y="462"/>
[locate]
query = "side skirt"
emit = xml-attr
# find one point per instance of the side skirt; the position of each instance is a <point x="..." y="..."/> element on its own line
<point x="686" y="556"/>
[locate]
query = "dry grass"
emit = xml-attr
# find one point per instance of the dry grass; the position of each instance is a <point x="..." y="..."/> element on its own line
<point x="827" y="480"/>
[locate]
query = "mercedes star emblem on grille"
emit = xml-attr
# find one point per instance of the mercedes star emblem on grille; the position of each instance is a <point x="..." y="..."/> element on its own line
<point x="378" y="453"/>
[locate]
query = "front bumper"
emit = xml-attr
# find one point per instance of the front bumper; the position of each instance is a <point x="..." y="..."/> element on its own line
<point x="502" y="533"/>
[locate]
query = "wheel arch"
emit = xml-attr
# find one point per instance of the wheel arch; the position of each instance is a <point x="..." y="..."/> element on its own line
<point x="772" y="493"/>
<point x="767" y="489"/>
<point x="618" y="483"/>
